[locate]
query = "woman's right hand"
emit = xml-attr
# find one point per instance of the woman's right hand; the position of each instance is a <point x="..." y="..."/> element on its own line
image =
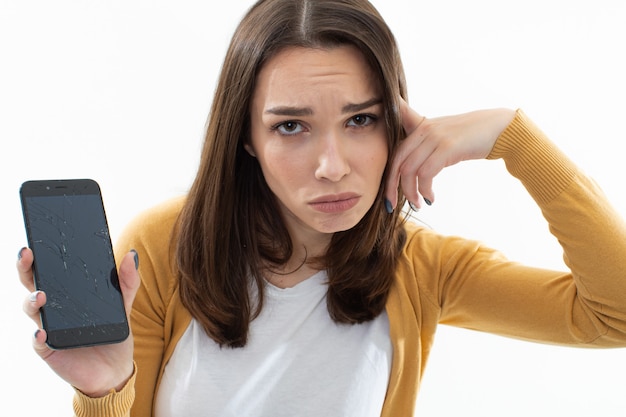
<point x="96" y="370"/>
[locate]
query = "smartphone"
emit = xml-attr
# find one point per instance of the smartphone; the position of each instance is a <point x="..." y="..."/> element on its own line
<point x="67" y="230"/>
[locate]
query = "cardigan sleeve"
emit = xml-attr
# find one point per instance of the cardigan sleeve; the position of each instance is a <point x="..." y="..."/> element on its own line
<point x="586" y="306"/>
<point x="116" y="403"/>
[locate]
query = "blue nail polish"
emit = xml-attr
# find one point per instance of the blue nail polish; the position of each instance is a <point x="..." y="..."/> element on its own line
<point x="427" y="201"/>
<point x="136" y="258"/>
<point x="413" y="207"/>
<point x="388" y="206"/>
<point x="19" y="254"/>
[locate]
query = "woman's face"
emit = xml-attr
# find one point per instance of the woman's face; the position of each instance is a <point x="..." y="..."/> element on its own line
<point x="318" y="132"/>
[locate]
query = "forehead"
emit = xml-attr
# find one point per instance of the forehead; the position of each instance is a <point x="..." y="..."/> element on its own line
<point x="294" y="71"/>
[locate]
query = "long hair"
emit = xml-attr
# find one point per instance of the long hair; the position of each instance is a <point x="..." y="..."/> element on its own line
<point x="229" y="231"/>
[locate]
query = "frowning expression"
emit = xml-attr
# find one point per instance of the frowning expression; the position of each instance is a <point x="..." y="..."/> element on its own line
<point x="318" y="132"/>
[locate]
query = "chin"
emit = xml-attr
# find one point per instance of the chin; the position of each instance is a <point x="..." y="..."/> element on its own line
<point x="339" y="225"/>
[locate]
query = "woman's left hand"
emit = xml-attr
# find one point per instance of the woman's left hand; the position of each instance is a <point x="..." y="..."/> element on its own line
<point x="433" y="144"/>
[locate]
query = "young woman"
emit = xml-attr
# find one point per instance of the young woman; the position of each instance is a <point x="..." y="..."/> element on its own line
<point x="287" y="281"/>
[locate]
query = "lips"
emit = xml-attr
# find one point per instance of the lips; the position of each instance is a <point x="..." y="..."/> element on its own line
<point x="335" y="203"/>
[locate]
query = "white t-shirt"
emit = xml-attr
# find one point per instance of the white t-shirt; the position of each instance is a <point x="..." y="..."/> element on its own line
<point x="297" y="362"/>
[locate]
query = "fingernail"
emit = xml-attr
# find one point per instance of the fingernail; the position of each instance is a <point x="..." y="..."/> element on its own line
<point x="136" y="258"/>
<point x="427" y="201"/>
<point x="36" y="333"/>
<point x="413" y="207"/>
<point x="33" y="296"/>
<point x="19" y="254"/>
<point x="388" y="206"/>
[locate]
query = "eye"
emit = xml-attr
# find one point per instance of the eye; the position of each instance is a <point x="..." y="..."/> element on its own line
<point x="361" y="120"/>
<point x="288" y="128"/>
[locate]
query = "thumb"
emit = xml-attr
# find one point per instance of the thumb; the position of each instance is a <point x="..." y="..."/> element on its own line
<point x="129" y="278"/>
<point x="411" y="119"/>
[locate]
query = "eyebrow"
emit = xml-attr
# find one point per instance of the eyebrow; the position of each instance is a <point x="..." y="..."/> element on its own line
<point x="307" y="111"/>
<point x="353" y="108"/>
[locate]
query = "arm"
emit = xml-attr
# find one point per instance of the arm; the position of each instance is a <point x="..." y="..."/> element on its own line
<point x="480" y="289"/>
<point x="585" y="305"/>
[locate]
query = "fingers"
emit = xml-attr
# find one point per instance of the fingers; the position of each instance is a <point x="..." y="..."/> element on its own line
<point x="39" y="344"/>
<point x="25" y="268"/>
<point x="409" y="160"/>
<point x="32" y="304"/>
<point x="36" y="299"/>
<point x="129" y="278"/>
<point x="417" y="169"/>
<point x="434" y="144"/>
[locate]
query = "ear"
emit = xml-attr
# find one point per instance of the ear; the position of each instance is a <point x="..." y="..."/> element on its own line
<point x="249" y="149"/>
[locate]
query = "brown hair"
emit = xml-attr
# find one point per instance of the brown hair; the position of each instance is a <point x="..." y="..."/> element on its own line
<point x="229" y="231"/>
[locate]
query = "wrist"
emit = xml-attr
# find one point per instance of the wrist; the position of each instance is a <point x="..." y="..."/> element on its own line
<point x="114" y="388"/>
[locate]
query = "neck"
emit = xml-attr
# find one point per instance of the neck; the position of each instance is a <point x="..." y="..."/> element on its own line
<point x="307" y="245"/>
<point x="291" y="279"/>
<point x="297" y="269"/>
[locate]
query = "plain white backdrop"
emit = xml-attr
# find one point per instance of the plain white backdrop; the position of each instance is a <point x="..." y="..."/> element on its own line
<point x="119" y="91"/>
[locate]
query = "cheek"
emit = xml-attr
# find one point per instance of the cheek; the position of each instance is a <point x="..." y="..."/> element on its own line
<point x="375" y="168"/>
<point x="379" y="158"/>
<point x="374" y="159"/>
<point x="282" y="169"/>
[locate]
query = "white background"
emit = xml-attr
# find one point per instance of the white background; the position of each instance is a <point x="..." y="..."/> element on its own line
<point x="119" y="91"/>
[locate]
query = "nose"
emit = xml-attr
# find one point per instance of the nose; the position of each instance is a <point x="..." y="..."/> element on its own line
<point x="333" y="162"/>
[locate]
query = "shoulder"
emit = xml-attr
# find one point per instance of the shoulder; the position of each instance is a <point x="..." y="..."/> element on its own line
<point x="151" y="232"/>
<point x="158" y="219"/>
<point x="429" y="258"/>
<point x="422" y="242"/>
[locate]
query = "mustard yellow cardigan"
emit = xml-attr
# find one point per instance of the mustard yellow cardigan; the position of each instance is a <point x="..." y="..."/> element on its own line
<point x="440" y="279"/>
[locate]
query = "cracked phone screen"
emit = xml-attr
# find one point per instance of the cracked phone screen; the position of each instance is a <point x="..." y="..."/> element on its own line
<point x="74" y="261"/>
